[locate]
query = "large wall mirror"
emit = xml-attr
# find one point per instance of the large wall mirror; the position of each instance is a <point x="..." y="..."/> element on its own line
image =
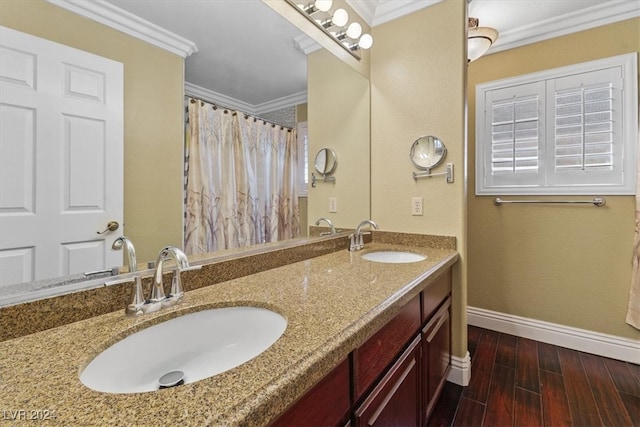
<point x="329" y="124"/>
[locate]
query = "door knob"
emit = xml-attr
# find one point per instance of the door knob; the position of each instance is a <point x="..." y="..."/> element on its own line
<point x="111" y="226"/>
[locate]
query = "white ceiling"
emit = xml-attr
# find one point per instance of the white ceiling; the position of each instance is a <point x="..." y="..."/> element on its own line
<point x="245" y="51"/>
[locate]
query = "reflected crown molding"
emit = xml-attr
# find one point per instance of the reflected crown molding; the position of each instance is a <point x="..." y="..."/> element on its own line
<point x="584" y="19"/>
<point x="378" y="12"/>
<point x="130" y="24"/>
<point x="196" y="91"/>
<point x="305" y="44"/>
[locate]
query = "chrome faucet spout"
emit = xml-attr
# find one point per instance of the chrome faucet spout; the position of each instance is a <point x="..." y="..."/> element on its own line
<point x="157" y="288"/>
<point x="357" y="242"/>
<point x="328" y="221"/>
<point x="129" y="249"/>
<point x="366" y="222"/>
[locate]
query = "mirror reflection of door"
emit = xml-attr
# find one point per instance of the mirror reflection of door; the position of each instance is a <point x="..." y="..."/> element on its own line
<point x="61" y="145"/>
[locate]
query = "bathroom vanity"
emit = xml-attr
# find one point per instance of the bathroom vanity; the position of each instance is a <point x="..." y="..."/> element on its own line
<point x="364" y="341"/>
<point x="397" y="374"/>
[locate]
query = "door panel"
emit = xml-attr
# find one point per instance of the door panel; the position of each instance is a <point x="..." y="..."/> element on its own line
<point x="61" y="142"/>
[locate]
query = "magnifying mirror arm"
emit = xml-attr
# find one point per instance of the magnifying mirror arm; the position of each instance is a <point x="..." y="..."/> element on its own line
<point x="427" y="174"/>
<point x="324" y="178"/>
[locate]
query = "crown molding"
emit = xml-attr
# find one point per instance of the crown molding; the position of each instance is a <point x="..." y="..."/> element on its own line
<point x="281" y="103"/>
<point x="595" y="16"/>
<point x="128" y="23"/>
<point x="226" y="101"/>
<point x="305" y="44"/>
<point x="377" y="13"/>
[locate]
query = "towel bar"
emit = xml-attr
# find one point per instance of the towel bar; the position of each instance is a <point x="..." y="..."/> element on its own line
<point x="597" y="201"/>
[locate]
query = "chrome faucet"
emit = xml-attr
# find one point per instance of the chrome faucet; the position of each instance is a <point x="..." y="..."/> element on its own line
<point x="129" y="249"/>
<point x="137" y="300"/>
<point x="357" y="242"/>
<point x="157" y="300"/>
<point x="333" y="229"/>
<point x="157" y="288"/>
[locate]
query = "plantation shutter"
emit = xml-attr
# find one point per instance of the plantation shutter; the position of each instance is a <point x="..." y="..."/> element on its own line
<point x="514" y="124"/>
<point x="569" y="130"/>
<point x="586" y="135"/>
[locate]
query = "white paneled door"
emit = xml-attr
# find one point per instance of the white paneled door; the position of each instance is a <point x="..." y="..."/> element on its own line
<point x="61" y="159"/>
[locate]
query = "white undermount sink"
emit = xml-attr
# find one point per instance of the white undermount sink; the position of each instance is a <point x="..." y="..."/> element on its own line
<point x="184" y="349"/>
<point x="393" y="257"/>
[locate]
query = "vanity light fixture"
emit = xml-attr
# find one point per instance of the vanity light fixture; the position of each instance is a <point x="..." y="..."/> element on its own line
<point x="335" y="25"/>
<point x="479" y="39"/>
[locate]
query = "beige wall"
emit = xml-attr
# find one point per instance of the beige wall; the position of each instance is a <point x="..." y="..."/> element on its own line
<point x="338" y="113"/>
<point x="568" y="265"/>
<point x="418" y="88"/>
<point x="153" y="117"/>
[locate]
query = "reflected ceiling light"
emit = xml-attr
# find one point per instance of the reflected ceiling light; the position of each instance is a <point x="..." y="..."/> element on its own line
<point x="354" y="30"/>
<point x="366" y="41"/>
<point x="479" y="39"/>
<point x="335" y="25"/>
<point x="340" y="17"/>
<point x="323" y="5"/>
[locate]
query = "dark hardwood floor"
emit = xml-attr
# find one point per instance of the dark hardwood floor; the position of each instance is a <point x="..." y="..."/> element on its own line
<point x="520" y="382"/>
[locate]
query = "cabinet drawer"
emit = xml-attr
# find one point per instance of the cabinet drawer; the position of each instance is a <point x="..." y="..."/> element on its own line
<point x="371" y="359"/>
<point x="435" y="294"/>
<point x="326" y="404"/>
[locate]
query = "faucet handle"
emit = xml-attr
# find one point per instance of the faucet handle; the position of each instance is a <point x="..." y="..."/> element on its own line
<point x="176" y="285"/>
<point x="137" y="300"/>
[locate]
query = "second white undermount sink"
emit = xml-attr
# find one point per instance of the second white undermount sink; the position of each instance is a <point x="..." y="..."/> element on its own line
<point x="393" y="257"/>
<point x="183" y="350"/>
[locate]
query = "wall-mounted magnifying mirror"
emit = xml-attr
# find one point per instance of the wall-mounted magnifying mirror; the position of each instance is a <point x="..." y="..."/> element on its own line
<point x="325" y="163"/>
<point x="427" y="152"/>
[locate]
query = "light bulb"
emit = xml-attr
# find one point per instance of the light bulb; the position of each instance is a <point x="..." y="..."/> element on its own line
<point x="354" y="30"/>
<point x="366" y="41"/>
<point x="340" y="17"/>
<point x="323" y="5"/>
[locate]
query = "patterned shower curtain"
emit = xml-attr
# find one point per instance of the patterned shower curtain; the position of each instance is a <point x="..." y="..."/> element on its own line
<point x="633" y="311"/>
<point x="242" y="180"/>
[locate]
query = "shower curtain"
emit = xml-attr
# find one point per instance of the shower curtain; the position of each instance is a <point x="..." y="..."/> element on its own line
<point x="633" y="312"/>
<point x="242" y="180"/>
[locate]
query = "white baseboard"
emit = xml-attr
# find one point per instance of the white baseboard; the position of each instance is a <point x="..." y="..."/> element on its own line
<point x="583" y="340"/>
<point x="460" y="372"/>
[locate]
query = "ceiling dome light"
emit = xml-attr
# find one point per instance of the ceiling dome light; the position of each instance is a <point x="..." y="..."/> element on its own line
<point x="480" y="39"/>
<point x="354" y="30"/>
<point x="340" y="17"/>
<point x="323" y="5"/>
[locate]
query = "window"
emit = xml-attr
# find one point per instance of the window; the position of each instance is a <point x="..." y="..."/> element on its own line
<point x="570" y="130"/>
<point x="303" y="158"/>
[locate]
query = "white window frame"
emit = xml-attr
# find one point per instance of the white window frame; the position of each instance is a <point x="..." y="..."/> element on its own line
<point x="620" y="181"/>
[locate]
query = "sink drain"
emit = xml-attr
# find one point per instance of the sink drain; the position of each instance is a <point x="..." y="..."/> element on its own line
<point x="171" y="379"/>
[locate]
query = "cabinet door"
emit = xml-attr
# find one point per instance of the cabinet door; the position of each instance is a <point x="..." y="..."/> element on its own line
<point x="395" y="400"/>
<point x="436" y="356"/>
<point x="327" y="404"/>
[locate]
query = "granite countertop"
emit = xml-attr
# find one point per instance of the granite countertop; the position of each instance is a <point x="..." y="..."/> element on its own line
<point x="332" y="303"/>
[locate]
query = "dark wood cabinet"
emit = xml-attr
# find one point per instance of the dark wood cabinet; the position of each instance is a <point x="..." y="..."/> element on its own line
<point x="436" y="356"/>
<point x="395" y="377"/>
<point x="327" y="404"/>
<point x="374" y="356"/>
<point x="394" y="401"/>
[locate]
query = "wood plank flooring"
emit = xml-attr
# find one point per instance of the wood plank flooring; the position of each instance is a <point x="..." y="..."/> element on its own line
<point x="520" y="382"/>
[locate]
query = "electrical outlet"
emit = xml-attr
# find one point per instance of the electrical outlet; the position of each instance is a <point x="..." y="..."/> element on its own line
<point x="333" y="204"/>
<point x="416" y="206"/>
